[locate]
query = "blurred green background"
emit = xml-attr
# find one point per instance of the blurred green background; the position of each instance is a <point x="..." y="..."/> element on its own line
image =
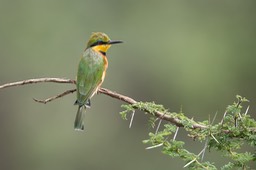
<point x="195" y="55"/>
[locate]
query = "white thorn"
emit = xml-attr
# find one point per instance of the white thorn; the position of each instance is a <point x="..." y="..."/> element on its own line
<point x="200" y="152"/>
<point x="176" y="132"/>
<point x="155" y="146"/>
<point x="247" y="110"/>
<point x="240" y="115"/>
<point x="189" y="163"/>
<point x="204" y="149"/>
<point x="223" y="117"/>
<point x="214" y="117"/>
<point x="133" y="113"/>
<point x="215" y="138"/>
<point x="157" y="128"/>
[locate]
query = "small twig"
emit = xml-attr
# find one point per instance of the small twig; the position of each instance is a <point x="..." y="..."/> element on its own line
<point x="55" y="97"/>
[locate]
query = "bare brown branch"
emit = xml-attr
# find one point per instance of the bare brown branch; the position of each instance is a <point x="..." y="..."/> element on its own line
<point x="39" y="80"/>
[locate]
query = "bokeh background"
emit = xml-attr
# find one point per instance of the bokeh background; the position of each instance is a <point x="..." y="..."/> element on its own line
<point x="195" y="55"/>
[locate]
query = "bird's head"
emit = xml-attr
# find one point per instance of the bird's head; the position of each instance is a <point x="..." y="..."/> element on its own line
<point x="100" y="42"/>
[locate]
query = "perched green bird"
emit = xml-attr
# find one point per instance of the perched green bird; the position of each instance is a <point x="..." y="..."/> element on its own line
<point x="91" y="73"/>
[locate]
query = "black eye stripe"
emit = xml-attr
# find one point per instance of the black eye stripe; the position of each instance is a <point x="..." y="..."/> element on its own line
<point x="98" y="43"/>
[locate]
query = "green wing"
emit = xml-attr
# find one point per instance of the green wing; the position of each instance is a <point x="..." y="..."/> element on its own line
<point x="89" y="75"/>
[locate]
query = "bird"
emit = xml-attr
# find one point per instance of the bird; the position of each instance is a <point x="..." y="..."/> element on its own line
<point x="91" y="73"/>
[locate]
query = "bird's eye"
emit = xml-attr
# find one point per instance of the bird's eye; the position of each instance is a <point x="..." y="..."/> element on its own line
<point x="100" y="42"/>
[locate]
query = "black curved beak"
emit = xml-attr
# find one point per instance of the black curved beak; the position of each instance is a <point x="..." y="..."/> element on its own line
<point x="115" y="42"/>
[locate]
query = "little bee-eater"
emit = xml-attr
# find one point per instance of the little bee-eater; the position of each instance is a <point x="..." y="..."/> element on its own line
<point x="91" y="73"/>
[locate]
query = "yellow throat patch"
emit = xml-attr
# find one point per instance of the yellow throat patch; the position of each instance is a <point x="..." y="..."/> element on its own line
<point x="103" y="48"/>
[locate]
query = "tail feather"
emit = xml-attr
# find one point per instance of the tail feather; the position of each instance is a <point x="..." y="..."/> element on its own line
<point x="79" y="122"/>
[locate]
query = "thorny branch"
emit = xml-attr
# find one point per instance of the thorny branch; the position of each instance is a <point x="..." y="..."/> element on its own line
<point x="105" y="91"/>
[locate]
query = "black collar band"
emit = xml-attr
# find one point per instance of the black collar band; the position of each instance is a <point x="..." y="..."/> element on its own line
<point x="104" y="53"/>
